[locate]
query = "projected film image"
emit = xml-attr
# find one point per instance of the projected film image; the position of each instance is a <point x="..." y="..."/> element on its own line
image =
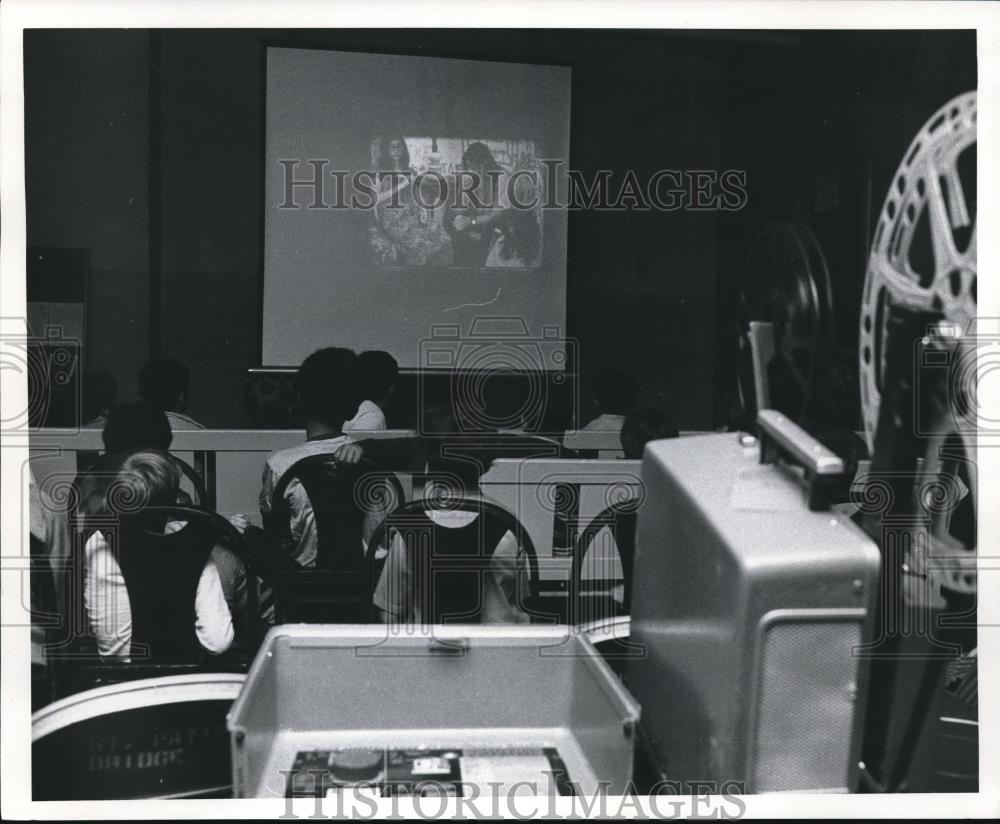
<point x="463" y="202"/>
<point x="424" y="188"/>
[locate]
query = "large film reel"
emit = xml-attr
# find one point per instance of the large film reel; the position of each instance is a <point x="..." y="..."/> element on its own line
<point x="786" y="283"/>
<point x="922" y="276"/>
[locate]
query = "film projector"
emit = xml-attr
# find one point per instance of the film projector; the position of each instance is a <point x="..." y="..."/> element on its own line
<point x="785" y="334"/>
<point x="787" y="642"/>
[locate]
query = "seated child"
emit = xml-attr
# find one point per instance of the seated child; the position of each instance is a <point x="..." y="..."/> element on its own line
<point x="149" y="475"/>
<point x="141" y="425"/>
<point x="329" y="391"/>
<point x="406" y="594"/>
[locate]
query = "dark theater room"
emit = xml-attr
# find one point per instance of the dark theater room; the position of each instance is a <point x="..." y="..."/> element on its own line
<point x="480" y="419"/>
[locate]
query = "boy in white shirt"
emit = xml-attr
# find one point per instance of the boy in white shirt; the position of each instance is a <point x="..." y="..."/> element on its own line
<point x="148" y="476"/>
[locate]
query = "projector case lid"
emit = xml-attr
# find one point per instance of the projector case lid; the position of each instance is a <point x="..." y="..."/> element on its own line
<point x="335" y="685"/>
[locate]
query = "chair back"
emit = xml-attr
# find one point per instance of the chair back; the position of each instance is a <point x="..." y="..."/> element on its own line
<point x="162" y="737"/>
<point x="594" y="601"/>
<point x="91" y="483"/>
<point x="449" y="565"/>
<point x="336" y="589"/>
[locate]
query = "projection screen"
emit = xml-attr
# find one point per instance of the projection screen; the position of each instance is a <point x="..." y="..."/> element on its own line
<point x="412" y="199"/>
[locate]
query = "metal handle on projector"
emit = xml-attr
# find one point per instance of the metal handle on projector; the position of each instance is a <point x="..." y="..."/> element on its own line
<point x="781" y="437"/>
<point x="450" y="647"/>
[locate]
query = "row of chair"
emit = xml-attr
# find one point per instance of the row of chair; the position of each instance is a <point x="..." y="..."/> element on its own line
<point x="340" y="587"/>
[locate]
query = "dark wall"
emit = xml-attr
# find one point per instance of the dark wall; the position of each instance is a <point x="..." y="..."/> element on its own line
<point x="821" y="121"/>
<point x="87" y="177"/>
<point x="641" y="284"/>
<point x="211" y="121"/>
<point x="645" y="288"/>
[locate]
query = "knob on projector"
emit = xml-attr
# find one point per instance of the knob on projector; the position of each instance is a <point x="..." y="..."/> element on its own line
<point x="356" y="765"/>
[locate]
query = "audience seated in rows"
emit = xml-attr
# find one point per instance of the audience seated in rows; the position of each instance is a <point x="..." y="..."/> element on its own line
<point x="333" y="384"/>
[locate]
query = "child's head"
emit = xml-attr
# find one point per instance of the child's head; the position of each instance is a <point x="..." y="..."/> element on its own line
<point x="136" y="425"/>
<point x="645" y="425"/>
<point x="615" y="391"/>
<point x="268" y="400"/>
<point x="146" y="478"/>
<point x="449" y="472"/>
<point x="379" y="373"/>
<point x="99" y="392"/>
<point x="329" y="386"/>
<point x="164" y="382"/>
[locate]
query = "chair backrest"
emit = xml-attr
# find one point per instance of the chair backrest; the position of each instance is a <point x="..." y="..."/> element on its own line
<point x="162" y="573"/>
<point x="449" y="565"/>
<point x="84" y="676"/>
<point x="551" y="497"/>
<point x="162" y="737"/>
<point x="618" y="521"/>
<point x="93" y="480"/>
<point x="335" y="590"/>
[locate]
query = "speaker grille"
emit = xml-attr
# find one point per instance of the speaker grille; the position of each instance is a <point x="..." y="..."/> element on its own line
<point x="805" y="713"/>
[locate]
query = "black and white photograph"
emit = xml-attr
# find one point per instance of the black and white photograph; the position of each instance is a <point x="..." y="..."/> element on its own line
<point x="439" y="410"/>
